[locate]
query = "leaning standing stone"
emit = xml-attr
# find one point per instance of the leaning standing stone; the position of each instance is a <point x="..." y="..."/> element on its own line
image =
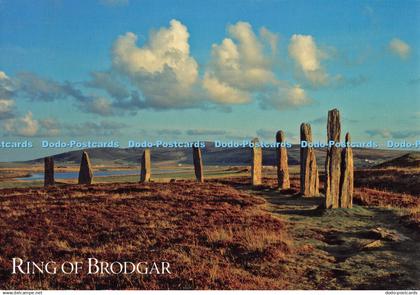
<point x="256" y="167"/>
<point x="309" y="182"/>
<point x="347" y="175"/>
<point x="146" y="166"/>
<point x="333" y="161"/>
<point x="198" y="164"/>
<point x="282" y="162"/>
<point x="48" y="171"/>
<point x="85" y="173"/>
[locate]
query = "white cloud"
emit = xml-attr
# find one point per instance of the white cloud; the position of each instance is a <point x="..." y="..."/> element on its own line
<point x="160" y="73"/>
<point x="50" y="126"/>
<point x="6" y="92"/>
<point x="307" y="56"/>
<point x="162" y="69"/>
<point x="6" y="106"/>
<point x="239" y="66"/>
<point x="34" y="87"/>
<point x="7" y="87"/>
<point x="400" y="48"/>
<point x="285" y="96"/>
<point x="99" y="105"/>
<point x="271" y="38"/>
<point x="240" y="69"/>
<point x="3" y="75"/>
<point x="249" y="47"/>
<point x="296" y="96"/>
<point x="29" y="126"/>
<point x="222" y="93"/>
<point x="108" y="82"/>
<point x="25" y="126"/>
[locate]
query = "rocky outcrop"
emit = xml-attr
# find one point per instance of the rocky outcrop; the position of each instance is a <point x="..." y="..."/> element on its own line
<point x="48" y="171"/>
<point x="85" y="172"/>
<point x="309" y="180"/>
<point x="333" y="161"/>
<point x="256" y="166"/>
<point x="198" y="164"/>
<point x="146" y="166"/>
<point x="282" y="162"/>
<point x="347" y="176"/>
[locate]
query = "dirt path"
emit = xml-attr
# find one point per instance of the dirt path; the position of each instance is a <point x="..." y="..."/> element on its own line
<point x="359" y="248"/>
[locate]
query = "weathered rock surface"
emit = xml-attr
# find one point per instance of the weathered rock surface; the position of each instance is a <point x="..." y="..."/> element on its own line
<point x="256" y="166"/>
<point x="282" y="162"/>
<point x="48" y="171"/>
<point x="198" y="164"/>
<point x="347" y="176"/>
<point x="333" y="161"/>
<point x="146" y="166"/>
<point x="85" y="172"/>
<point x="309" y="180"/>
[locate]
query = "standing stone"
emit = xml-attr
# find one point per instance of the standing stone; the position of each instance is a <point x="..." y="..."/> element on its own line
<point x="282" y="163"/>
<point x="85" y="173"/>
<point x="309" y="181"/>
<point x="256" y="167"/>
<point x="146" y="166"/>
<point x="333" y="161"/>
<point x="48" y="171"/>
<point x="198" y="164"/>
<point x="347" y="175"/>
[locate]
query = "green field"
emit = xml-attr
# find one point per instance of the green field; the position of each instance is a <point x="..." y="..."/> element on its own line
<point x="183" y="174"/>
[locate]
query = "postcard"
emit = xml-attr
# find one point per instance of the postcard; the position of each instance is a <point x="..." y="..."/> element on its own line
<point x="259" y="145"/>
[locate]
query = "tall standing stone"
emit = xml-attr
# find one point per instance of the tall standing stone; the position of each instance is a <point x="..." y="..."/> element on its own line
<point x="48" y="171"/>
<point x="256" y="167"/>
<point x="333" y="160"/>
<point x="146" y="166"/>
<point x="309" y="180"/>
<point x="347" y="175"/>
<point x="282" y="162"/>
<point x="198" y="164"/>
<point x="85" y="173"/>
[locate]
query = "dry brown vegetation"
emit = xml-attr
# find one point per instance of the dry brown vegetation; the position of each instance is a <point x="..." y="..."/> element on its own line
<point x="361" y="248"/>
<point x="391" y="187"/>
<point x="409" y="205"/>
<point x="10" y="174"/>
<point x="222" y="234"/>
<point x="214" y="235"/>
<point x="399" y="180"/>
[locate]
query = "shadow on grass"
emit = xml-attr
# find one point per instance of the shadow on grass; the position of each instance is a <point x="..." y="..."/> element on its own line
<point x="294" y="203"/>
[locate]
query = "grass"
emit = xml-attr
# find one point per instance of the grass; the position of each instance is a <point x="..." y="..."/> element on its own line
<point x="184" y="173"/>
<point x="211" y="233"/>
<point x="406" y="205"/>
<point x="331" y="244"/>
<point x="411" y="217"/>
<point x="223" y="234"/>
<point x="251" y="240"/>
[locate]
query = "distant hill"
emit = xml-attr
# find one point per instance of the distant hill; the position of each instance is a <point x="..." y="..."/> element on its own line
<point x="410" y="160"/>
<point x="211" y="156"/>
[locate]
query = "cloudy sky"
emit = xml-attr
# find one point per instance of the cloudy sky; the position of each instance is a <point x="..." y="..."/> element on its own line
<point x="187" y="70"/>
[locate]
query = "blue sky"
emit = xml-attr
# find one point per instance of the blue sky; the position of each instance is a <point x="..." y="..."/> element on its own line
<point x="186" y="70"/>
